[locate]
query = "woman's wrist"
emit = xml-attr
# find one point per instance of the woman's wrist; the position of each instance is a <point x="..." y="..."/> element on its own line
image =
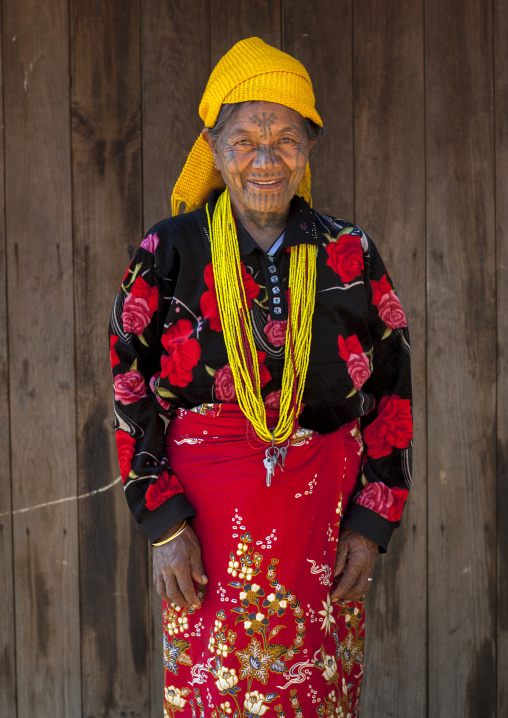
<point x="170" y="533"/>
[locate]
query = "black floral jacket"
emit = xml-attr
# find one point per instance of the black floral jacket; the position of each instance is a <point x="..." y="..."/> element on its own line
<point x="167" y="351"/>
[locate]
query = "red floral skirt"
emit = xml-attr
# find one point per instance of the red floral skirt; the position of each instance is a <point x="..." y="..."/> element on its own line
<point x="267" y="640"/>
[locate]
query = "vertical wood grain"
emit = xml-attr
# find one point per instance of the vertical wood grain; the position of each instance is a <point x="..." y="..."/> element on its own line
<point x="390" y="206"/>
<point x="106" y="175"/>
<point x="321" y="39"/>
<point x="232" y="22"/>
<point x="175" y="69"/>
<point x="41" y="356"/>
<point x="462" y="358"/>
<point x="7" y="634"/>
<point x="501" y="121"/>
<point x="176" y="66"/>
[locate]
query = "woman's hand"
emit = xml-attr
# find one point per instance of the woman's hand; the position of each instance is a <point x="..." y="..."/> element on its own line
<point x="175" y="564"/>
<point x="356" y="556"/>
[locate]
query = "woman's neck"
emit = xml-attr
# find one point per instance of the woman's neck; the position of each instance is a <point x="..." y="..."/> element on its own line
<point x="264" y="228"/>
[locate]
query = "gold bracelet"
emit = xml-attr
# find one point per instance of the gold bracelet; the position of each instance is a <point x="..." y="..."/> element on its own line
<point x="180" y="530"/>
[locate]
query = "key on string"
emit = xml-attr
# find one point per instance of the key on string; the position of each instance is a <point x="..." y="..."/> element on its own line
<point x="283" y="450"/>
<point x="270" y="463"/>
<point x="274" y="452"/>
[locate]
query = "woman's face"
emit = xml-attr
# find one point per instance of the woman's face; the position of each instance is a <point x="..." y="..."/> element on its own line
<point x="261" y="153"/>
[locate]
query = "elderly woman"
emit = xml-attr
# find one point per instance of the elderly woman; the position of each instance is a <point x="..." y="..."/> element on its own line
<point x="262" y="397"/>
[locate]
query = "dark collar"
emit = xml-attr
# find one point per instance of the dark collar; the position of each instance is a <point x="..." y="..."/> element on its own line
<point x="301" y="228"/>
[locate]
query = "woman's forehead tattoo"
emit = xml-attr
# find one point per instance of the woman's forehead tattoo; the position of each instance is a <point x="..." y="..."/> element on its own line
<point x="264" y="123"/>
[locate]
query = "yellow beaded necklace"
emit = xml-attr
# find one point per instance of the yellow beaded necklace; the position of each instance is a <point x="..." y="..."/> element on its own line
<point x="237" y="326"/>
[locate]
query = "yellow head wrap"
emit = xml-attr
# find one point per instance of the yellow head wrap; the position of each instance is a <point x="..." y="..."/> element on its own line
<point x="251" y="70"/>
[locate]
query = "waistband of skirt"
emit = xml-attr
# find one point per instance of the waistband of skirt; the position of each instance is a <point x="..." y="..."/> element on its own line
<point x="228" y="418"/>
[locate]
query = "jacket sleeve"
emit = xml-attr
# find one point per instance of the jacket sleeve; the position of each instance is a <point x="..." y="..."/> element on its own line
<point x="154" y="494"/>
<point x="388" y="429"/>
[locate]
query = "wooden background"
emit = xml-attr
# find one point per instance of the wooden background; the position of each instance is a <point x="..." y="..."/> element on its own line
<point x="99" y="111"/>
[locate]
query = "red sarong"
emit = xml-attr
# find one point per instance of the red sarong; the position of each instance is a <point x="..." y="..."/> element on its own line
<point x="267" y="640"/>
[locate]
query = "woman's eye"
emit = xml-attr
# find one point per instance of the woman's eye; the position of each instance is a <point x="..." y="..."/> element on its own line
<point x="244" y="143"/>
<point x="285" y="141"/>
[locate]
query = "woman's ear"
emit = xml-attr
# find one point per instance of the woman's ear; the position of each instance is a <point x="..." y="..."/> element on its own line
<point x="211" y="143"/>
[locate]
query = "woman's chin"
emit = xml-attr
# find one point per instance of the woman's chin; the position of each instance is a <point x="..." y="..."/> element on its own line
<point x="266" y="200"/>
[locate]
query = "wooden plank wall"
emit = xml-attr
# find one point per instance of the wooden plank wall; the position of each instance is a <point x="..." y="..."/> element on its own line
<point x="501" y="193"/>
<point x="7" y="635"/>
<point x="107" y="204"/>
<point x="390" y="202"/>
<point x="40" y="311"/>
<point x="99" y="109"/>
<point x="462" y="349"/>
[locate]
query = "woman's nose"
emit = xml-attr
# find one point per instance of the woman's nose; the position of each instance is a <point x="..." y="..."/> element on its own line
<point x="266" y="157"/>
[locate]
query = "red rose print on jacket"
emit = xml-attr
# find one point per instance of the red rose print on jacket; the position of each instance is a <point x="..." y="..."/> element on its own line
<point x="151" y="242"/>
<point x="345" y="257"/>
<point x="139" y="307"/>
<point x="129" y="387"/>
<point x="392" y="427"/>
<point x="388" y="304"/>
<point x="209" y="305"/>
<point x="357" y="361"/>
<point x="182" y="353"/>
<point x="225" y="385"/>
<point x="275" y="331"/>
<point x="125" y="444"/>
<point x="166" y="486"/>
<point x="386" y="502"/>
<point x="272" y="401"/>
<point x="113" y="356"/>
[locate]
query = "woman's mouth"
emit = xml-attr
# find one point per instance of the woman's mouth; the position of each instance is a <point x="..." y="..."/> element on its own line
<point x="268" y="184"/>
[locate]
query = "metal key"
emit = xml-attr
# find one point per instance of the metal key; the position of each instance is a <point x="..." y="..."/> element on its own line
<point x="283" y="450"/>
<point x="270" y="463"/>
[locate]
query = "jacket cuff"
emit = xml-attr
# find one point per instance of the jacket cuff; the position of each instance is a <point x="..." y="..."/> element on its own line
<point x="369" y="524"/>
<point x="158" y="521"/>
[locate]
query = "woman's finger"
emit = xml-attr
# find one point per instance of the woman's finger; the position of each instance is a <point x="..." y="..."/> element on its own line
<point x="173" y="591"/>
<point x="161" y="587"/>
<point x="195" y="560"/>
<point x="346" y="583"/>
<point x="361" y="587"/>
<point x="340" y="559"/>
<point x="185" y="585"/>
<point x="197" y="569"/>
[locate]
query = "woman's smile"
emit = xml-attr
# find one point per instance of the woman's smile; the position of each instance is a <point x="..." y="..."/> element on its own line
<point x="266" y="183"/>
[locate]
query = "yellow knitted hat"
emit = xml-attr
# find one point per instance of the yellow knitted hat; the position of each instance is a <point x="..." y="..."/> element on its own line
<point x="251" y="70"/>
